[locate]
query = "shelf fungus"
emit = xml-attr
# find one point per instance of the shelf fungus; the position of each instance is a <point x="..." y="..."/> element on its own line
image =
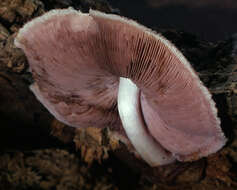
<point x="104" y="70"/>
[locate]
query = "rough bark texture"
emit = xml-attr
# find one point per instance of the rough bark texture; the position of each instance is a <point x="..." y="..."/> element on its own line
<point x="37" y="151"/>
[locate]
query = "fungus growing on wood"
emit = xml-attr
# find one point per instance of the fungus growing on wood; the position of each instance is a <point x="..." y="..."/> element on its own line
<point x="83" y="64"/>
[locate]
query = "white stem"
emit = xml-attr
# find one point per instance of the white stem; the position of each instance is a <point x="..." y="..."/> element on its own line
<point x="132" y="120"/>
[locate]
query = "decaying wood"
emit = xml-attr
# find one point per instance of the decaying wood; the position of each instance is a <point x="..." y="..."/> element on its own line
<point x="25" y="124"/>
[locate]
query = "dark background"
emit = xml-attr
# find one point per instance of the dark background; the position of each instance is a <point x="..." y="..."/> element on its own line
<point x="211" y="20"/>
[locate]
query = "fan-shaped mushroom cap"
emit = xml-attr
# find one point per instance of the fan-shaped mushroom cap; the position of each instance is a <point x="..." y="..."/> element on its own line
<point x="77" y="59"/>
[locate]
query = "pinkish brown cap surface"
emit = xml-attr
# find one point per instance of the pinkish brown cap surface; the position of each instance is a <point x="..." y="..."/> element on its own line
<point x="77" y="60"/>
<point x="68" y="78"/>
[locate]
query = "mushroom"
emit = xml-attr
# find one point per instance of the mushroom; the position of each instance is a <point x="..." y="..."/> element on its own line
<point x="101" y="70"/>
